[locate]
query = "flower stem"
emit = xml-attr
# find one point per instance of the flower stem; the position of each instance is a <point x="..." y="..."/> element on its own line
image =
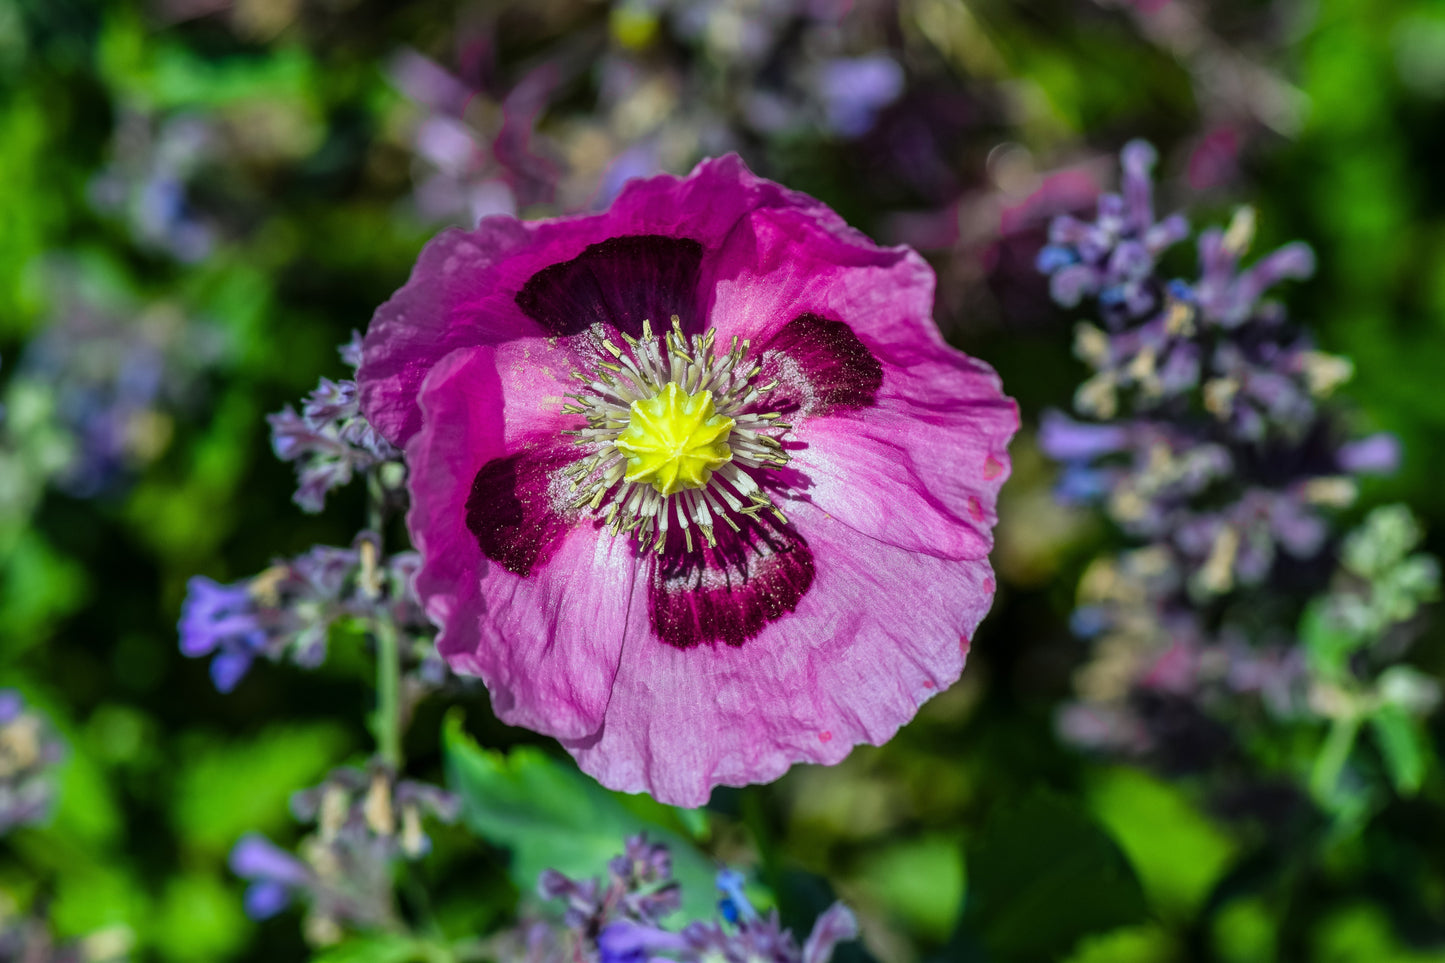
<point x="1325" y="778"/>
<point x="375" y="503"/>
<point x="388" y="693"/>
<point x="386" y="724"/>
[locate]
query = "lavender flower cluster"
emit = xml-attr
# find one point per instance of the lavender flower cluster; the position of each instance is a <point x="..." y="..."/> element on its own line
<point x="1211" y="445"/>
<point x="288" y="610"/>
<point x="619" y="919"/>
<point x="103" y="381"/>
<point x="330" y="441"/>
<point x="146" y="184"/>
<point x="676" y="80"/>
<point x="29" y="753"/>
<point x="366" y="821"/>
<point x="30" y="940"/>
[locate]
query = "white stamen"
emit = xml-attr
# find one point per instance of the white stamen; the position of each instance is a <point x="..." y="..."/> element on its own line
<point x="638" y="370"/>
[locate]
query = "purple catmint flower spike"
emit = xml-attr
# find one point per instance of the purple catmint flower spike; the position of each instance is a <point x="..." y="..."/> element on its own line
<point x="329" y="440"/>
<point x="366" y="822"/>
<point x="603" y="922"/>
<point x="1138" y="159"/>
<point x="287" y="610"/>
<point x="29" y="754"/>
<point x="836" y="925"/>
<point x="1210" y="446"/>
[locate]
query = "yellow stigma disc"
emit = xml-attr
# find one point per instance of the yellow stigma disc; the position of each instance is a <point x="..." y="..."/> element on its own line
<point x="674" y="441"/>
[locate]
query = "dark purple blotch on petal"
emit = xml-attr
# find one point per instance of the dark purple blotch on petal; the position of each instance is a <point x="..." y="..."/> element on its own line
<point x="511" y="513"/>
<point x="840" y="371"/>
<point x="729" y="592"/>
<point x="621" y="282"/>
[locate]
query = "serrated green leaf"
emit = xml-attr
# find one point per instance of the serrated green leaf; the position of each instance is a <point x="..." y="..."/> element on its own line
<point x="553" y="817"/>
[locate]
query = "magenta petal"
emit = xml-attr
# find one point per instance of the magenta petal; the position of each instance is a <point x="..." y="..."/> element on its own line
<point x="620" y="282"/>
<point x="729" y="592"/>
<point x="447" y="304"/>
<point x="923" y="468"/>
<point x="510" y="511"/>
<point x="464" y="289"/>
<point x="915" y="460"/>
<point x="783" y="262"/>
<point x="821" y="367"/>
<point x="547" y="643"/>
<point x="837" y="672"/>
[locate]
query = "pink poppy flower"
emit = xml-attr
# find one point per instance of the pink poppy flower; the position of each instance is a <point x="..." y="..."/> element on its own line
<point x="699" y="488"/>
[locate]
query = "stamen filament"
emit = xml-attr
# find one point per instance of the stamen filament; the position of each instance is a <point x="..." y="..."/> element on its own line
<point x="669" y="423"/>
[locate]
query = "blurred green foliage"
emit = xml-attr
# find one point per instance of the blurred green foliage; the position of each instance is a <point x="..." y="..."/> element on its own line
<point x="974" y="835"/>
<point x="552" y="817"/>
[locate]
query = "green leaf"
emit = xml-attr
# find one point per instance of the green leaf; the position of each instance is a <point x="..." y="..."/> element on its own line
<point x="228" y="789"/>
<point x="1362" y="933"/>
<point x="1178" y="853"/>
<point x="199" y="918"/>
<point x="92" y="898"/>
<point x="1043" y="876"/>
<point x="553" y="817"/>
<point x="1328" y="646"/>
<point x="1134" y="944"/>
<point x="1245" y="931"/>
<point x="37" y="587"/>
<point x="921" y="881"/>
<point x="1402" y="746"/>
<point x="378" y="948"/>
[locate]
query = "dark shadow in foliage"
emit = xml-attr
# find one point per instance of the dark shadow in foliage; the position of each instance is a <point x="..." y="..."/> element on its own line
<point x="802" y="898"/>
<point x="1042" y="876"/>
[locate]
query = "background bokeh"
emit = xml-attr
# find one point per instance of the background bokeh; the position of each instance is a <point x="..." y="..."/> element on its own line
<point x="201" y="199"/>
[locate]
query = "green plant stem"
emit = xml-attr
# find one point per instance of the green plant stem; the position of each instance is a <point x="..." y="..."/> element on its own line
<point x="388" y="693"/>
<point x="387" y="721"/>
<point x="375" y="504"/>
<point x="1333" y="756"/>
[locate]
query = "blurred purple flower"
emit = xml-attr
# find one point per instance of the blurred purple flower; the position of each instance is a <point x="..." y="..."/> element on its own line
<point x="619" y="920"/>
<point x="473" y="162"/>
<point x="117" y="375"/>
<point x="275" y="875"/>
<point x="854" y="89"/>
<point x="366" y="820"/>
<point x="29" y="754"/>
<point x="223" y="620"/>
<point x="1211" y="447"/>
<point x="1376" y="455"/>
<point x="146" y="183"/>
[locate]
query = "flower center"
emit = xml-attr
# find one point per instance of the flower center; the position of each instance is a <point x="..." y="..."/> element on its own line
<point x="675" y="437"/>
<point x="675" y="441"/>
